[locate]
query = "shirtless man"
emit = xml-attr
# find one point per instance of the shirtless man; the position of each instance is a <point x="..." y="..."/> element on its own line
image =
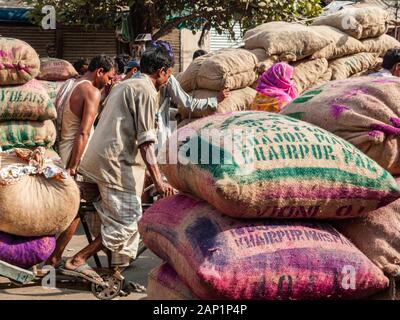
<point x="78" y="115"/>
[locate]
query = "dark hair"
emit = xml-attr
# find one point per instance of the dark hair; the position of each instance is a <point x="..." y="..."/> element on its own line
<point x="101" y="61"/>
<point x="162" y="43"/>
<point x="121" y="61"/>
<point x="78" y="64"/>
<point x="156" y="59"/>
<point x="391" y="58"/>
<point x="199" y="53"/>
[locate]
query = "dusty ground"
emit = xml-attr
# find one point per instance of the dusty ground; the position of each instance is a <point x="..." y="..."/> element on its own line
<point x="138" y="273"/>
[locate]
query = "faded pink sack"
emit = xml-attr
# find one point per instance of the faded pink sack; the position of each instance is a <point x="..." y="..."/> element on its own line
<point x="223" y="258"/>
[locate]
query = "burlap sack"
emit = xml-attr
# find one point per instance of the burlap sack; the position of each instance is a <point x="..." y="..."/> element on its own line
<point x="230" y="68"/>
<point x="25" y="252"/>
<point x="308" y="72"/>
<point x="381" y="45"/>
<point x="165" y="284"/>
<point x="27" y="134"/>
<point x="377" y="236"/>
<point x="365" y="111"/>
<point x="52" y="69"/>
<point x="238" y="100"/>
<point x="187" y="79"/>
<point x="360" y="23"/>
<point x="264" y="62"/>
<point x="261" y="164"/>
<point x="342" y="44"/>
<point x="19" y="62"/>
<point x="34" y="205"/>
<point x="345" y="67"/>
<point x="26" y="102"/>
<point x="223" y="258"/>
<point x="52" y="88"/>
<point x="325" y="78"/>
<point x="289" y="41"/>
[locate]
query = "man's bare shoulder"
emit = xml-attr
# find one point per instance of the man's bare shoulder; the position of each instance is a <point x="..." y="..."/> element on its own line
<point x="87" y="88"/>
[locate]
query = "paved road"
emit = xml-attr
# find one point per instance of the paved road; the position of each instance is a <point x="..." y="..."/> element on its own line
<point x="138" y="273"/>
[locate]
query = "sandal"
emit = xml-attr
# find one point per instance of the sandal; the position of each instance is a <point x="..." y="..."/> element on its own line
<point x="82" y="272"/>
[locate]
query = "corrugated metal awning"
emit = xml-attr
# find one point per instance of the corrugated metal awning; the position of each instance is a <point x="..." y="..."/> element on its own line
<point x="221" y="41"/>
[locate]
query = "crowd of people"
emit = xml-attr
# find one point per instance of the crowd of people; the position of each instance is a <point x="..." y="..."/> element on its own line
<point x="111" y="121"/>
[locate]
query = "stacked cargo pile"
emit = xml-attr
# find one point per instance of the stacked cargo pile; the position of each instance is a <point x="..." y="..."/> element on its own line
<point x="234" y="69"/>
<point x="356" y="43"/>
<point x="37" y="198"/>
<point x="53" y="74"/>
<point x="261" y="192"/>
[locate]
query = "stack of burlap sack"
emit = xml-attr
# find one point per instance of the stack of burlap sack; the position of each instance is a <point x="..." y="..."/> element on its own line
<point x="53" y="74"/>
<point x="234" y="69"/>
<point x="348" y="43"/>
<point x="37" y="198"/>
<point x="261" y="193"/>
<point x="365" y="111"/>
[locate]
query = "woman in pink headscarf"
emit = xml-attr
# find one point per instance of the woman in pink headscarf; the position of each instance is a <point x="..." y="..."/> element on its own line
<point x="275" y="88"/>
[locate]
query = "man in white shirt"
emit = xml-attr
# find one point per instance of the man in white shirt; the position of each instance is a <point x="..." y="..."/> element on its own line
<point x="391" y="64"/>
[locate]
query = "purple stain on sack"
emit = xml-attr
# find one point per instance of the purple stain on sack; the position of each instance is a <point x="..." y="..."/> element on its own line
<point x="376" y="134"/>
<point x="395" y="122"/>
<point x="337" y="110"/>
<point x="355" y="92"/>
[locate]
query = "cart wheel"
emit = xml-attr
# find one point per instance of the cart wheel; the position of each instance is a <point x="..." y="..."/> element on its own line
<point x="113" y="289"/>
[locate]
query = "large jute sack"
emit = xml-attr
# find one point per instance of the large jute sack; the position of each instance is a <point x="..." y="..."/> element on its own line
<point x="345" y="67"/>
<point x="377" y="236"/>
<point x="19" y="62"/>
<point x="27" y="134"/>
<point x="381" y="45"/>
<point x="342" y="44"/>
<point x="52" y="69"/>
<point x="238" y="100"/>
<point x="25" y="252"/>
<point x="360" y="23"/>
<point x="230" y="68"/>
<point x="289" y="41"/>
<point x="52" y="88"/>
<point x="187" y="79"/>
<point x="326" y="77"/>
<point x="26" y="102"/>
<point x="264" y="61"/>
<point x="365" y="111"/>
<point x="36" y="205"/>
<point x="223" y="258"/>
<point x="308" y="72"/>
<point x="261" y="164"/>
<point x="165" y="284"/>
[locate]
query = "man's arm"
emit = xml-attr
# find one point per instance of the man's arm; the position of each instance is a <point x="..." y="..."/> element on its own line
<point x="150" y="159"/>
<point x="90" y="109"/>
<point x="181" y="98"/>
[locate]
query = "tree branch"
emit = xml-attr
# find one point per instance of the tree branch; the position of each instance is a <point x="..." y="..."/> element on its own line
<point x="171" y="25"/>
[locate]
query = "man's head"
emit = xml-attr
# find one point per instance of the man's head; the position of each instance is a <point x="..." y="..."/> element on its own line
<point x="131" y="68"/>
<point x="199" y="53"/>
<point x="391" y="61"/>
<point x="51" y="51"/>
<point x="121" y="61"/>
<point x="81" y="65"/>
<point x="157" y="63"/>
<point x="103" y="69"/>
